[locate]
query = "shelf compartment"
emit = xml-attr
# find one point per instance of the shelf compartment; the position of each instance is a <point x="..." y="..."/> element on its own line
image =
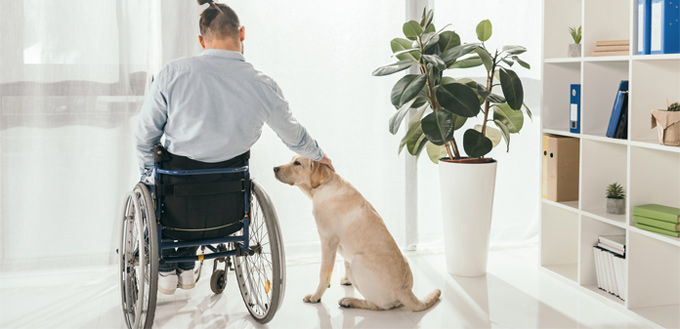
<point x="654" y="288"/>
<point x="559" y="241"/>
<point x="560" y="14"/>
<point x="607" y="59"/>
<point x="603" y="216"/>
<point x="656" y="146"/>
<point x="603" y="294"/>
<point x="652" y="82"/>
<point x="654" y="178"/>
<point x="602" y="164"/>
<point x="605" y="139"/>
<point x="560" y="133"/>
<point x="598" y="26"/>
<point x="600" y="85"/>
<point x="557" y="80"/>
<point x="563" y="60"/>
<point x="566" y="205"/>
<point x="655" y="57"/>
<point x="591" y="229"/>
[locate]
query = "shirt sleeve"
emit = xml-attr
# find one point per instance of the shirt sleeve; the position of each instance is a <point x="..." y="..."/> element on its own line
<point x="152" y="119"/>
<point x="289" y="130"/>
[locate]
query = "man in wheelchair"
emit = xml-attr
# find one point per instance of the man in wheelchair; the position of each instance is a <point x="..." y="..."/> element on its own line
<point x="210" y="109"/>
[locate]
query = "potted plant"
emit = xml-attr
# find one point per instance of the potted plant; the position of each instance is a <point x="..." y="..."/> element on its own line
<point x="575" y="48"/>
<point x="616" y="199"/>
<point x="444" y="105"/>
<point x="668" y="124"/>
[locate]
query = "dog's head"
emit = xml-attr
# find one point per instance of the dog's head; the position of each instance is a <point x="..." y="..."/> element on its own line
<point x="302" y="172"/>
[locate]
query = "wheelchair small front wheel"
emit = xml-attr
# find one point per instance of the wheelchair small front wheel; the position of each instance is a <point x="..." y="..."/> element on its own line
<point x="218" y="281"/>
<point x="262" y="276"/>
<point x="138" y="259"/>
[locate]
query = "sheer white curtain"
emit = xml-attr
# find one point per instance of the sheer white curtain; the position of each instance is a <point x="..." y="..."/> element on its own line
<point x="73" y="76"/>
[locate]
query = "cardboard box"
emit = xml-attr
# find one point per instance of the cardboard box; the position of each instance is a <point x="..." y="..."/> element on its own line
<point x="668" y="125"/>
<point x="560" y="168"/>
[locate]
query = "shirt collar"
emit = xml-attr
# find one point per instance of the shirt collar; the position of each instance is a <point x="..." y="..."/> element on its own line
<point x="228" y="54"/>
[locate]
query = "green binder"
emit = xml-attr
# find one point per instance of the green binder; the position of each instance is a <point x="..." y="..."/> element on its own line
<point x="658" y="212"/>
<point x="657" y="223"/>
<point x="657" y="230"/>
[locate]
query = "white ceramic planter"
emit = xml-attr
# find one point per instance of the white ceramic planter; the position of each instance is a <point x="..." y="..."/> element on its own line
<point x="467" y="202"/>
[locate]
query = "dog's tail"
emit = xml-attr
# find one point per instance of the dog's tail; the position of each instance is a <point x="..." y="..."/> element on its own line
<point x="410" y="301"/>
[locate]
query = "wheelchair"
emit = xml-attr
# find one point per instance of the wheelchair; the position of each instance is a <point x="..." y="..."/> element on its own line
<point x="215" y="207"/>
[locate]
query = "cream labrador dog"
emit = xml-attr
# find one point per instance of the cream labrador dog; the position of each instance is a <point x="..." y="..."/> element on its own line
<point x="349" y="225"/>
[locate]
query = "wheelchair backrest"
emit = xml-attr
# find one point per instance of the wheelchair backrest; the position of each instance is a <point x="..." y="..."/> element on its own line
<point x="204" y="206"/>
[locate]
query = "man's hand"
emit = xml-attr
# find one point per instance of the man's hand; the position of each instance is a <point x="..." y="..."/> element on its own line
<point x="147" y="179"/>
<point x="327" y="161"/>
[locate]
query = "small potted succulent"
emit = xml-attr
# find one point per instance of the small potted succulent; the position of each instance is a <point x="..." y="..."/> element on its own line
<point x="668" y="124"/>
<point x="575" y="48"/>
<point x="616" y="199"/>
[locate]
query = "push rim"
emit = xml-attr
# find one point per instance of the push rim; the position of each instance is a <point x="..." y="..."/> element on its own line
<point x="261" y="276"/>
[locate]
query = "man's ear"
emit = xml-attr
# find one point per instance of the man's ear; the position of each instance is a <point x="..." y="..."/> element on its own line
<point x="319" y="174"/>
<point x="242" y="33"/>
<point x="201" y="41"/>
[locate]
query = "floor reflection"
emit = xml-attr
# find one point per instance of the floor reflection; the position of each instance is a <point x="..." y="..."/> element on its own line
<point x="512" y="295"/>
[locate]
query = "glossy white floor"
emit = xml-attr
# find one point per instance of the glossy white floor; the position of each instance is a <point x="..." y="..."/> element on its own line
<point x="514" y="294"/>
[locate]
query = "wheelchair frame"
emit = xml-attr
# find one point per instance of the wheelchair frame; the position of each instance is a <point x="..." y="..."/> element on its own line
<point x="137" y="280"/>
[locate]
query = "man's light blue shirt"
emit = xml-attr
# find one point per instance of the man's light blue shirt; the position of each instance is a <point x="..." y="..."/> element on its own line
<point x="212" y="108"/>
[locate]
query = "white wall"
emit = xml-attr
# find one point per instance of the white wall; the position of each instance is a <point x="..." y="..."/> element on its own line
<point x="322" y="54"/>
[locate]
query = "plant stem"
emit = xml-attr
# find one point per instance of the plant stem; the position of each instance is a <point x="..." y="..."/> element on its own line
<point x="489" y="86"/>
<point x="455" y="148"/>
<point x="435" y="107"/>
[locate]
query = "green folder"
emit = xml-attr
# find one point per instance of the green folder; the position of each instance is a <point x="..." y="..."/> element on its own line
<point x="657" y="230"/>
<point x="657" y="223"/>
<point x="658" y="212"/>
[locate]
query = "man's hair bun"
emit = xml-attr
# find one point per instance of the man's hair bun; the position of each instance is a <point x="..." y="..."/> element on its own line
<point x="202" y="2"/>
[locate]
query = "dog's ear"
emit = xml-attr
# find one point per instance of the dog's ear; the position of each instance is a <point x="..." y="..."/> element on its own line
<point x="319" y="174"/>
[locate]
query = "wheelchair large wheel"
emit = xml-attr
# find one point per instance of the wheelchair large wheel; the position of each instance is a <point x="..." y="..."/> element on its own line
<point x="138" y="259"/>
<point x="262" y="276"/>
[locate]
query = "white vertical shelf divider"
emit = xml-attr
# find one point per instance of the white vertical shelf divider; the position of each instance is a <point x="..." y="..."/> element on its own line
<point x="649" y="171"/>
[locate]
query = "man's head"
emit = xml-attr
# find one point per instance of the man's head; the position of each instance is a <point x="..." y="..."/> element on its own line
<point x="220" y="27"/>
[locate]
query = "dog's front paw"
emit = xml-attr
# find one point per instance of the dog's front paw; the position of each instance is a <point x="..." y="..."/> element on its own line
<point x="311" y="299"/>
<point x="345" y="281"/>
<point x="345" y="302"/>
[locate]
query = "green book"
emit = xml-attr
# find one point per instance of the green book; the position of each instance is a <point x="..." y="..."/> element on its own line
<point x="657" y="223"/>
<point x="658" y="212"/>
<point x="657" y="230"/>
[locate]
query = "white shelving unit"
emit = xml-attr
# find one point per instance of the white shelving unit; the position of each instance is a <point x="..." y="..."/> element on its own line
<point x="649" y="172"/>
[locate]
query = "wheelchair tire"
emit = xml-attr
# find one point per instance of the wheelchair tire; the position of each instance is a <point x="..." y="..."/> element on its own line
<point x="262" y="276"/>
<point x="218" y="281"/>
<point x="138" y="259"/>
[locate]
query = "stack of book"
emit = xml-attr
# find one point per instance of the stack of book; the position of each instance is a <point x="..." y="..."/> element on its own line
<point x="612" y="48"/>
<point x="658" y="218"/>
<point x="610" y="264"/>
